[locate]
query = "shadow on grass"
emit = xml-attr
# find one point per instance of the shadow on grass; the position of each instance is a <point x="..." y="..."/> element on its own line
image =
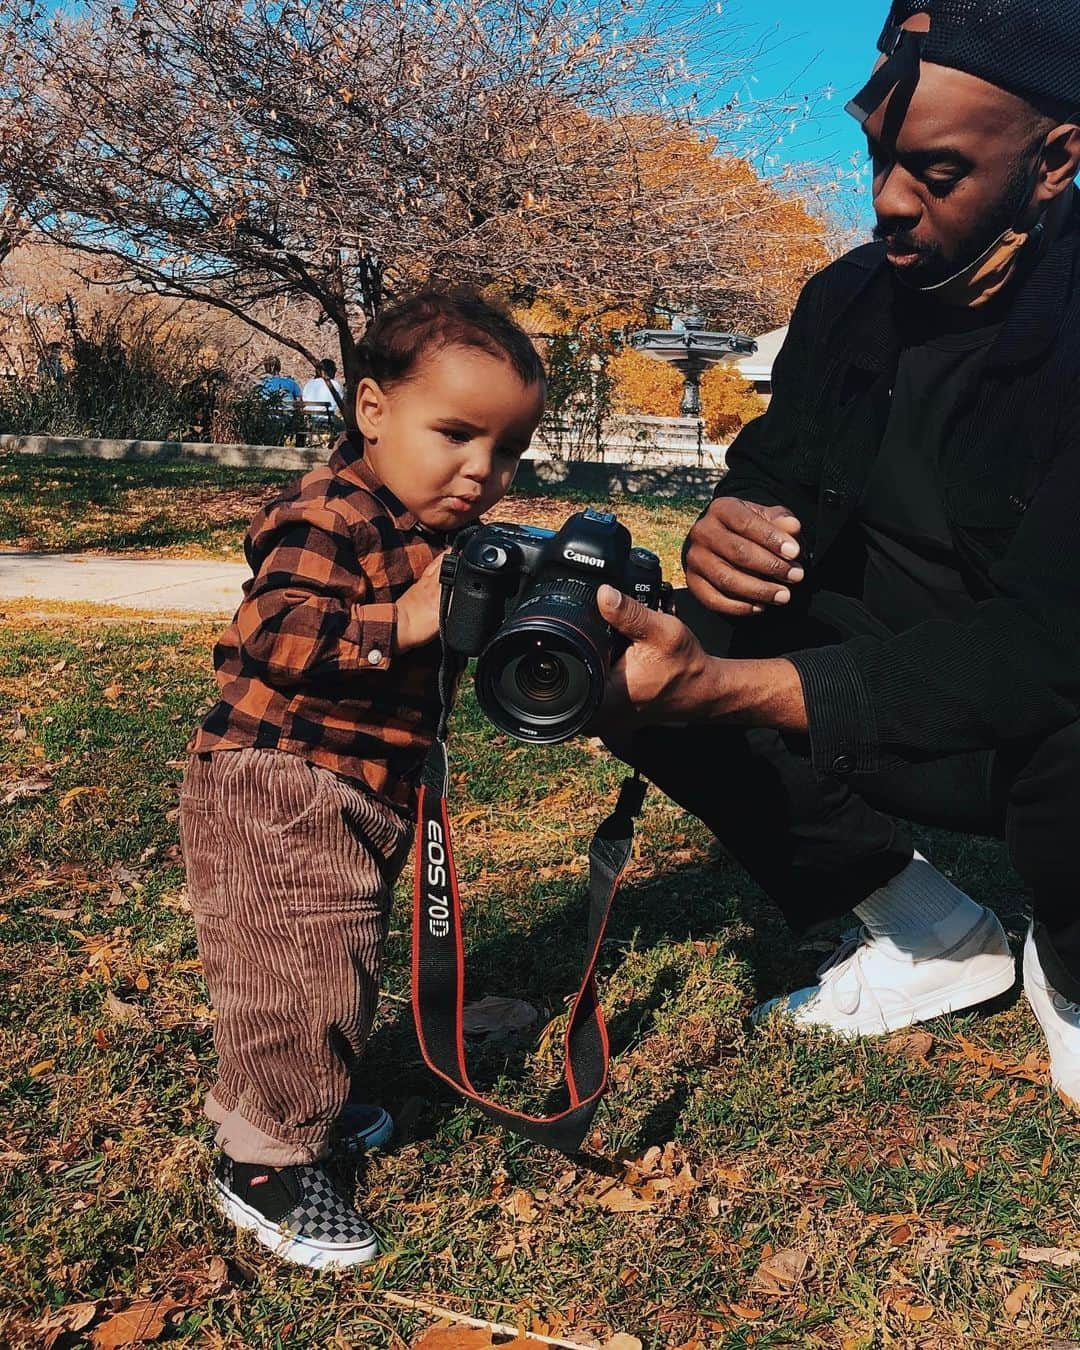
<point x="700" y="901"/>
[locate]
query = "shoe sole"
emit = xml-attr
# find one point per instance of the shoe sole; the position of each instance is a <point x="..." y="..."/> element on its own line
<point x="1066" y="1097"/>
<point x="990" y="986"/>
<point x="287" y="1246"/>
<point x="375" y="1136"/>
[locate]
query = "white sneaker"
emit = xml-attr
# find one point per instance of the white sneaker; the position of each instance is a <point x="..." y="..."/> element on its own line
<point x="1060" y="1021"/>
<point x="871" y="986"/>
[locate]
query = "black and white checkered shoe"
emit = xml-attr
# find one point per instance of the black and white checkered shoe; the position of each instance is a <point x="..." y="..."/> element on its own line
<point x="360" y="1129"/>
<point x="298" y="1212"/>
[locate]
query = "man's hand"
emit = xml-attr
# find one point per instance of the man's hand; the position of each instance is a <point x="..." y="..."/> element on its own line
<point x="418" y="609"/>
<point x="661" y="677"/>
<point x="741" y="557"/>
<point x="666" y="676"/>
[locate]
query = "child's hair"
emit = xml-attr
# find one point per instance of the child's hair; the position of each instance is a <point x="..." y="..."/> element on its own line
<point x="431" y="321"/>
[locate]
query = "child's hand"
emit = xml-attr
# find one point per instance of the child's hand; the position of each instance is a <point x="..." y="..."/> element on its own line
<point x="418" y="609"/>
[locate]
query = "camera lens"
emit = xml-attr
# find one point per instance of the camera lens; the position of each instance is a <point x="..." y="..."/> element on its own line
<point x="540" y="681"/>
<point x="541" y="676"/>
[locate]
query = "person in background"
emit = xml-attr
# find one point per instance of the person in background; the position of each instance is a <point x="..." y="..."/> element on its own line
<point x="320" y="404"/>
<point x="277" y="386"/>
<point x="50" y="366"/>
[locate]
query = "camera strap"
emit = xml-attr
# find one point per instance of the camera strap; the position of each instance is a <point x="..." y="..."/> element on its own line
<point x="438" y="956"/>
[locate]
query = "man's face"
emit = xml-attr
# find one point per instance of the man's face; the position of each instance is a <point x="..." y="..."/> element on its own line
<point x="957" y="172"/>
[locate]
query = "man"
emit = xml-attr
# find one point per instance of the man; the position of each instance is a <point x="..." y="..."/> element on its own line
<point x="323" y="395"/>
<point x="283" y="389"/>
<point x="884" y="596"/>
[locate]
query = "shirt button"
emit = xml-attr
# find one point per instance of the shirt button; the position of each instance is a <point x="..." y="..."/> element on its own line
<point x="374" y="656"/>
<point x="843" y="764"/>
<point x="831" y="497"/>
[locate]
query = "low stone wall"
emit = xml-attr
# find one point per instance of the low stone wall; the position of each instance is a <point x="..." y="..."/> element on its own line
<point x="236" y="456"/>
<point x="598" y="480"/>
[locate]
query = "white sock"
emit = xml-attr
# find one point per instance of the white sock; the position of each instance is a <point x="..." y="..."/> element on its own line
<point x="919" y="910"/>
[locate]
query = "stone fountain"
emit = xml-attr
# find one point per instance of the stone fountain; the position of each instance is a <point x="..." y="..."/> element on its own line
<point x="692" y="350"/>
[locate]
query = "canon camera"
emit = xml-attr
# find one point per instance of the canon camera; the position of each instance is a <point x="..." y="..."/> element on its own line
<point x="523" y="600"/>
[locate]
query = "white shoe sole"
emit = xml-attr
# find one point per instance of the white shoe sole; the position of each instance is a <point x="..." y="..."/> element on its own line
<point x="1069" y="1092"/>
<point x="288" y="1246"/>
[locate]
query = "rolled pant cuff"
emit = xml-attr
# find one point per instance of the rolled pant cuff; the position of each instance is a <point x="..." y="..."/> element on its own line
<point x="246" y="1142"/>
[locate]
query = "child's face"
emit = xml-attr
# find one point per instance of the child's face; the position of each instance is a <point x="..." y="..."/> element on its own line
<point x="447" y="441"/>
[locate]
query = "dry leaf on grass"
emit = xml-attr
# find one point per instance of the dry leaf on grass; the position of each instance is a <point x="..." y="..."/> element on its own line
<point x="25" y="787"/>
<point x="136" y="1325"/>
<point x="781" y="1272"/>
<point x="912" y="1045"/>
<point x="1033" y="1068"/>
<point x="124" y="1014"/>
<point x="1051" y="1256"/>
<point x="1016" y="1299"/>
<point x="65" y="1322"/>
<point x="450" y="1336"/>
<point x="622" y="1341"/>
<point x="522" y="1206"/>
<point x="494" y="1016"/>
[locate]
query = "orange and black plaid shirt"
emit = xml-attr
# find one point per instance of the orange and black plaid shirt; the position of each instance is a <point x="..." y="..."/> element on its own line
<point x="308" y="663"/>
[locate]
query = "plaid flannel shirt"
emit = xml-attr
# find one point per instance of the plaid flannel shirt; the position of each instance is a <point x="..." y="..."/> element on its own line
<point x="308" y="663"/>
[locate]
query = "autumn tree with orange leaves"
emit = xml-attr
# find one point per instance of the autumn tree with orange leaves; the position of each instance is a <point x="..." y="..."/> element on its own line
<point x="246" y="153"/>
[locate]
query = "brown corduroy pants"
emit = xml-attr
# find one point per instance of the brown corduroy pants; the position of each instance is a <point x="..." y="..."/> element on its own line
<point x="290" y="874"/>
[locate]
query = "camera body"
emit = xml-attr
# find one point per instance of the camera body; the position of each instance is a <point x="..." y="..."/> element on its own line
<point x="523" y="600"/>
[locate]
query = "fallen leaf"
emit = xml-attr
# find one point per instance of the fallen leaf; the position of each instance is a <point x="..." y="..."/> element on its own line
<point x="494" y="1015"/>
<point x="65" y="1321"/>
<point x="914" y="1312"/>
<point x="26" y="787"/>
<point x="1053" y="1256"/>
<point x="522" y="1206"/>
<point x="622" y="1341"/>
<point x="912" y="1045"/>
<point x="124" y="1013"/>
<point x="899" y="1235"/>
<point x="451" y="1336"/>
<point x="42" y="1066"/>
<point x="60" y="915"/>
<point x="622" y="1200"/>
<point x="141" y="1322"/>
<point x="72" y="794"/>
<point x="1047" y="1159"/>
<point x="781" y="1272"/>
<point x="1015" y="1301"/>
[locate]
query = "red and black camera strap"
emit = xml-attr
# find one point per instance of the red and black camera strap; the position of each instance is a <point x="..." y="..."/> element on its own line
<point x="438" y="959"/>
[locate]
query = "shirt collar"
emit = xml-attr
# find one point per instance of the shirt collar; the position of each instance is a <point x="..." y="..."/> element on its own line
<point x="348" y="462"/>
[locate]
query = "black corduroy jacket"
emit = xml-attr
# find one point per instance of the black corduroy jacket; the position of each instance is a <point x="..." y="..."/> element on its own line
<point x="1010" y="478"/>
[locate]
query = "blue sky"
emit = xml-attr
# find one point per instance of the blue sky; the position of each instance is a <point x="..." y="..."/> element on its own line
<point x="810" y="47"/>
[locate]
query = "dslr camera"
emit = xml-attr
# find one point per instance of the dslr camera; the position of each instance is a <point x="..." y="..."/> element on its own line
<point x="523" y="600"/>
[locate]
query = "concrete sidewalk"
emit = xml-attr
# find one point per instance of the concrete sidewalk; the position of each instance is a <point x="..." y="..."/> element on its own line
<point x="161" y="585"/>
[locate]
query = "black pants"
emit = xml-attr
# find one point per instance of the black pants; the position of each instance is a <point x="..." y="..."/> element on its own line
<point x="820" y="843"/>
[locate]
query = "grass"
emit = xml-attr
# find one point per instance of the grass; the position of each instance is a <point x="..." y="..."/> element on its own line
<point x="197" y="510"/>
<point x="902" y="1179"/>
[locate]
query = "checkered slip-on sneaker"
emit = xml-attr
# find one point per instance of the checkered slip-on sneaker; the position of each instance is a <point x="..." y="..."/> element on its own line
<point x="297" y="1212"/>
<point x="361" y="1129"/>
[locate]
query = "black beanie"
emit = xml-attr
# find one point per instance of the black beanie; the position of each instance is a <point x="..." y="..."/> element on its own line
<point x="1030" y="47"/>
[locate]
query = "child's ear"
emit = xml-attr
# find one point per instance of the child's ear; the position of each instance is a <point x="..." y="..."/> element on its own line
<point x="370" y="408"/>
